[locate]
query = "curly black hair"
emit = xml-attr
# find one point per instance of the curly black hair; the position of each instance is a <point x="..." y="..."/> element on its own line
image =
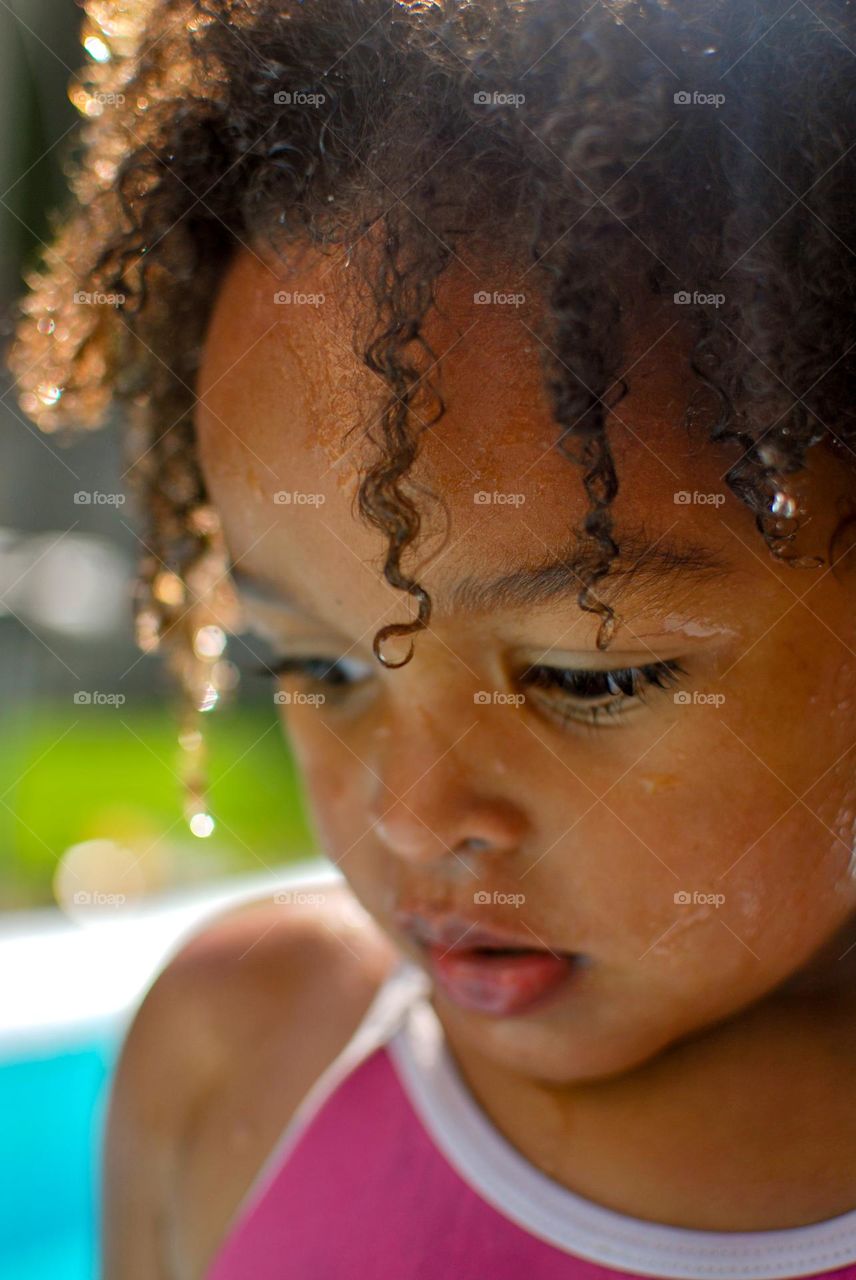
<point x="691" y="148"/>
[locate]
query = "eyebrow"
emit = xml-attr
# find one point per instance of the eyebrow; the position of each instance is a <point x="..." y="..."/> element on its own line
<point x="661" y="563"/>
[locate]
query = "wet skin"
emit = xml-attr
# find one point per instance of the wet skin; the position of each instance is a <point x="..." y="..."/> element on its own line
<point x="661" y="1080"/>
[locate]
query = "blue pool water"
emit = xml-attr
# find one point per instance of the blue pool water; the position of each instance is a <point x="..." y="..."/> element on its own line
<point x="67" y="994"/>
<point x="52" y="1106"/>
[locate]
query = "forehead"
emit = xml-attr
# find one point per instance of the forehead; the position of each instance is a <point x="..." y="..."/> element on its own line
<point x="285" y="401"/>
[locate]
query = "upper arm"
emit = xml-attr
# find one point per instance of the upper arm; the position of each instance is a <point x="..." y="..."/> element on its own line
<point x="170" y="1057"/>
<point x="212" y="1069"/>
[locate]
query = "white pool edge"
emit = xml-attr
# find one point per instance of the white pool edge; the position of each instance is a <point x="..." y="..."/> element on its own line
<point x="66" y="982"/>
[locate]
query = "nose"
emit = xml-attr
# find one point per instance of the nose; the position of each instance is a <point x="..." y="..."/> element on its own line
<point x="425" y="813"/>
<point x="484" y="829"/>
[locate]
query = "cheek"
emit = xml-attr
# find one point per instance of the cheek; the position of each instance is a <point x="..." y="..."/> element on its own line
<point x="761" y="889"/>
<point x="698" y="852"/>
<point x="350" y="775"/>
<point x="332" y="780"/>
<point x="833" y="800"/>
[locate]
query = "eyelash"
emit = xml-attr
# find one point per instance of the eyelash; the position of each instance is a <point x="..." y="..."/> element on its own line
<point x="617" y="687"/>
<point x="319" y="670"/>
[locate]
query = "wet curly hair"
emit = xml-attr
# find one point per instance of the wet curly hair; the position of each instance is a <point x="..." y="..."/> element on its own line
<point x="680" y="148"/>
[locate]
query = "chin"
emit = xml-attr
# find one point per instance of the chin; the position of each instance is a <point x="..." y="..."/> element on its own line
<point x="557" y="1051"/>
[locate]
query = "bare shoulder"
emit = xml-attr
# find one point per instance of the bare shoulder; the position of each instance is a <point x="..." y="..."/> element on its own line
<point x="229" y="1039"/>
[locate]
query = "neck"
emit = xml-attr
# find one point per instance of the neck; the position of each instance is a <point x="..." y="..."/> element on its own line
<point x="747" y="1126"/>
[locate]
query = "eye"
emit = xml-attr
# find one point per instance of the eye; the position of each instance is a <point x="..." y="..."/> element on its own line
<point x="336" y="675"/>
<point x="595" y="697"/>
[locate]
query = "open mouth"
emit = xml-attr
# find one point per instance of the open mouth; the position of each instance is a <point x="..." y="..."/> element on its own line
<point x="499" y="980"/>
<point x="500" y="951"/>
<point x="488" y="967"/>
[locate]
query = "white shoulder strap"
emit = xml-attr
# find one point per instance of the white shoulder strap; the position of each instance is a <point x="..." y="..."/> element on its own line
<point x="379" y="1024"/>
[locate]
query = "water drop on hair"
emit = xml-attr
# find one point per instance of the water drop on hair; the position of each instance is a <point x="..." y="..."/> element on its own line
<point x="783" y="505"/>
<point x="606" y="631"/>
<point x="394" y="651"/>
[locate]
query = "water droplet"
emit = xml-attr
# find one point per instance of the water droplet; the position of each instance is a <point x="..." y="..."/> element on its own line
<point x="210" y="698"/>
<point x="202" y="824"/>
<point x="97" y="48"/>
<point x="168" y="588"/>
<point x="209" y="642"/>
<point x="783" y="505"/>
<point x="191" y="740"/>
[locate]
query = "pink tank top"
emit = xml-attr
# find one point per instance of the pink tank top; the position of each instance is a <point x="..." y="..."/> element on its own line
<point x="391" y="1171"/>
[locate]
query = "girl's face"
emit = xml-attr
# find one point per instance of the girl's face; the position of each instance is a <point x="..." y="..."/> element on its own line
<point x="692" y="847"/>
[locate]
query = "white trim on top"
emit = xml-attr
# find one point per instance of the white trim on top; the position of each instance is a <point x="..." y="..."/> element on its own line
<point x="384" y="1015"/>
<point x="519" y="1191"/>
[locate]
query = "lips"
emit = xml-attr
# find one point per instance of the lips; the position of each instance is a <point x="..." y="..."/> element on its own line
<point x="491" y="970"/>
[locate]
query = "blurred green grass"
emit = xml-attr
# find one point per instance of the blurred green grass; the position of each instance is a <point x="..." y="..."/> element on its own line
<point x="70" y="774"/>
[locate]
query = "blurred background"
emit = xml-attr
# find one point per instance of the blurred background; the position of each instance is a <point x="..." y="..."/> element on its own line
<point x="72" y="772"/>
<point x="100" y="875"/>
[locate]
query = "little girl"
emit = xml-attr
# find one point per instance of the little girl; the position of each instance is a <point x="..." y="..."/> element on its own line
<point x="490" y="362"/>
